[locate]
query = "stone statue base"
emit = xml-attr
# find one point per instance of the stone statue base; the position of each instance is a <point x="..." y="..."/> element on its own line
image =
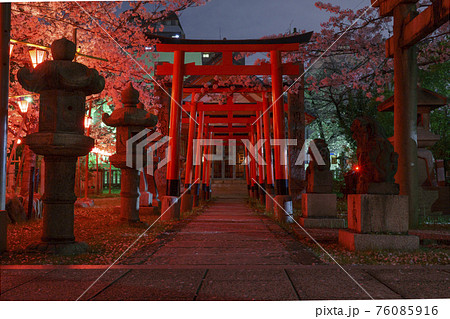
<point x="145" y="199"/>
<point x="352" y="240"/>
<point x="319" y="211"/>
<point x="377" y="222"/>
<point x="283" y="209"/>
<point x="377" y="213"/>
<point x="170" y="208"/>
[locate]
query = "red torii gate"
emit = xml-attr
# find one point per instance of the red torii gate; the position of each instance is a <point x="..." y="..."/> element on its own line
<point x="179" y="69"/>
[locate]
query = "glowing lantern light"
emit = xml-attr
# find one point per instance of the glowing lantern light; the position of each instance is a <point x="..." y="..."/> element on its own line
<point x="100" y="152"/>
<point x="87" y="121"/>
<point x="23" y="105"/>
<point x="37" y="56"/>
<point x="11" y="47"/>
<point x="357" y="168"/>
<point x="19" y="141"/>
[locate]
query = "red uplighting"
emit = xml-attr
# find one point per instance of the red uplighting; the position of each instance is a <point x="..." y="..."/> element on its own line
<point x="357" y="168"/>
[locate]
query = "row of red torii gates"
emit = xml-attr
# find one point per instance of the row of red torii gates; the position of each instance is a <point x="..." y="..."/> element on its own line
<point x="264" y="119"/>
<point x="409" y="28"/>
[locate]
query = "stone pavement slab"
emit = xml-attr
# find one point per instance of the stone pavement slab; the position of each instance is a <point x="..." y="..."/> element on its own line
<point x="155" y="284"/>
<point x="247" y="290"/>
<point x="415" y="283"/>
<point x="324" y="283"/>
<point x="60" y="284"/>
<point x="304" y="282"/>
<point x="13" y="278"/>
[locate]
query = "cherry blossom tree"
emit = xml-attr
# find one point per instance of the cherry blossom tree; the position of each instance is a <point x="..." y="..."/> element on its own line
<point x="348" y="72"/>
<point x="115" y="32"/>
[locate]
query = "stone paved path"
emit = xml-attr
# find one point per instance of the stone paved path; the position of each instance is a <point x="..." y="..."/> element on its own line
<point x="227" y="253"/>
<point x="228" y="233"/>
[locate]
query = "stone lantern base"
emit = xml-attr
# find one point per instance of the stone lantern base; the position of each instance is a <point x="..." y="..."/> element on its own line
<point x="58" y="208"/>
<point x="65" y="249"/>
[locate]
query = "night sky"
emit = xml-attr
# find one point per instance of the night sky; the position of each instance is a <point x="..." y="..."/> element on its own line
<point x="240" y="19"/>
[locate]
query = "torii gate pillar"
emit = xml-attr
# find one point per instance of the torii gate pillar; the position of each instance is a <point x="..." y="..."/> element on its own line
<point x="186" y="199"/>
<point x="198" y="161"/>
<point x="268" y="155"/>
<point x="405" y="112"/>
<point x="283" y="202"/>
<point x="170" y="207"/>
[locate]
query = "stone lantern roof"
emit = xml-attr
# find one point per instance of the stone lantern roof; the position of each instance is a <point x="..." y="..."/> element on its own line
<point x="61" y="73"/>
<point x="426" y="99"/>
<point x="426" y="102"/>
<point x="130" y="114"/>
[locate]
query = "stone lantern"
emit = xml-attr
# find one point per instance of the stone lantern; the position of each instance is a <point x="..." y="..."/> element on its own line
<point x="63" y="86"/>
<point x="429" y="194"/>
<point x="130" y="122"/>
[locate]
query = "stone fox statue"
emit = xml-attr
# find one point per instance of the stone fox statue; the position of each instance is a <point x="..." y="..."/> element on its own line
<point x="376" y="158"/>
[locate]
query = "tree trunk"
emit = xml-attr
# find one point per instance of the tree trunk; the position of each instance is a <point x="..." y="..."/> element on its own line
<point x="28" y="165"/>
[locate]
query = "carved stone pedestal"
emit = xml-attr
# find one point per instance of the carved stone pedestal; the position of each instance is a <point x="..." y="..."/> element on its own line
<point x="356" y="241"/>
<point x="319" y="211"/>
<point x="377" y="222"/>
<point x="170" y="208"/>
<point x="145" y="199"/>
<point x="129" y="195"/>
<point x="283" y="209"/>
<point x="59" y="199"/>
